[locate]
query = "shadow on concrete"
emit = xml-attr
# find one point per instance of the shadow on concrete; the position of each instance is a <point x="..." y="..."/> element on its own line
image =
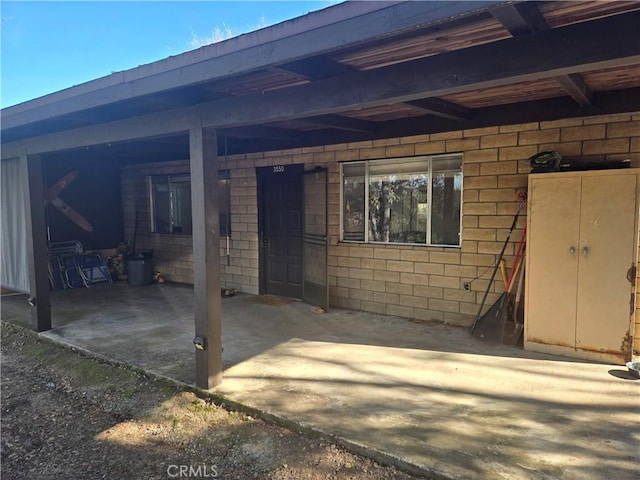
<point x="426" y="394"/>
<point x="624" y="374"/>
<point x="152" y="327"/>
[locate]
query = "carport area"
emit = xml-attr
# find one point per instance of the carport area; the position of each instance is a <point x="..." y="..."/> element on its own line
<point x="425" y="396"/>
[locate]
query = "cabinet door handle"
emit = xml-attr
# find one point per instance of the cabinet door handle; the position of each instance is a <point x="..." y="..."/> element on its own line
<point x="572" y="250"/>
<point x="585" y="251"/>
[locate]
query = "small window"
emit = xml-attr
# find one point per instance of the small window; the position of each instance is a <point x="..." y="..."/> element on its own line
<point x="171" y="204"/>
<point x="403" y="201"/>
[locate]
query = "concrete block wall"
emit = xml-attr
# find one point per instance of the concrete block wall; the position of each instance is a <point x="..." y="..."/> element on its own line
<point x="418" y="282"/>
<point x="427" y="282"/>
<point x="172" y="254"/>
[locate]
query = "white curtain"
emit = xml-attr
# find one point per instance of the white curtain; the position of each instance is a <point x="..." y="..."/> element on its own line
<point x="14" y="266"/>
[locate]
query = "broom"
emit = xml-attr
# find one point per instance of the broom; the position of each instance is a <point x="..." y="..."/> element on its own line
<point x="486" y="326"/>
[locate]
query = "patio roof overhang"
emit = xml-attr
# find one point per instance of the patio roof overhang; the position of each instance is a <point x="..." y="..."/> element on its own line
<point x="356" y="71"/>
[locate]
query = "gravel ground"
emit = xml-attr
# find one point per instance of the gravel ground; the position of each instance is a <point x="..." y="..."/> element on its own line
<point x="67" y="416"/>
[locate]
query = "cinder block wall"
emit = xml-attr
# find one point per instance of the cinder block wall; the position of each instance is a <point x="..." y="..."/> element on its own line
<point x="172" y="254"/>
<point x="424" y="283"/>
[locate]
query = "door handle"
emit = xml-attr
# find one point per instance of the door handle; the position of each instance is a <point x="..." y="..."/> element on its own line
<point x="572" y="250"/>
<point x="585" y="251"/>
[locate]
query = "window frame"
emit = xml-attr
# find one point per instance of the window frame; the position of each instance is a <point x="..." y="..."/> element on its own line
<point x="429" y="159"/>
<point x="223" y="175"/>
<point x="153" y="181"/>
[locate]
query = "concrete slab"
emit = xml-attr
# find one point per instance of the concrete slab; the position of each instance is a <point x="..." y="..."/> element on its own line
<point x="428" y="395"/>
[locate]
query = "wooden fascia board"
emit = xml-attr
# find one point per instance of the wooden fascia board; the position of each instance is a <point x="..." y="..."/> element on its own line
<point x="134" y="128"/>
<point x="399" y="17"/>
<point x="586" y="46"/>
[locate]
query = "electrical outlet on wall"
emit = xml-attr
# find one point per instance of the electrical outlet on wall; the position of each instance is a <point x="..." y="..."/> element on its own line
<point x="467" y="286"/>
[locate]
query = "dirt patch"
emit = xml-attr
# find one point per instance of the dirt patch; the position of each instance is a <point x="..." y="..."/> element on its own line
<point x="65" y="415"/>
<point x="271" y="300"/>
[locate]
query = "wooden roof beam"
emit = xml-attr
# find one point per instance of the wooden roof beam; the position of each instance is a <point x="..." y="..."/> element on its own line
<point x="525" y="19"/>
<point x="260" y="131"/>
<point x="617" y="101"/>
<point x="441" y="108"/>
<point x="520" y="19"/>
<point x="320" y="68"/>
<point x="340" y="122"/>
<point x="316" y="68"/>
<point x="604" y="103"/>
<point x="576" y="87"/>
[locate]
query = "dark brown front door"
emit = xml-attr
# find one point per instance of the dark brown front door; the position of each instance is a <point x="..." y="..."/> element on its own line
<point x="280" y="229"/>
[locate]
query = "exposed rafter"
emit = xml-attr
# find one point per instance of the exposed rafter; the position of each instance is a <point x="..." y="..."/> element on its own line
<point x="259" y="131"/>
<point x="525" y="19"/>
<point x="316" y="68"/>
<point x="576" y="87"/>
<point x="320" y="68"/>
<point x="341" y="122"/>
<point x="604" y="103"/>
<point x="441" y="108"/>
<point x="520" y="19"/>
<point x="523" y="112"/>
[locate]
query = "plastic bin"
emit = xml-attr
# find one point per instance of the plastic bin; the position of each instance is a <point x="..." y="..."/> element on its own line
<point x="140" y="270"/>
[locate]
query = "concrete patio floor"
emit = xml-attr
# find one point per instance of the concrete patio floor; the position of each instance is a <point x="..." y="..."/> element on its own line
<point x="426" y="396"/>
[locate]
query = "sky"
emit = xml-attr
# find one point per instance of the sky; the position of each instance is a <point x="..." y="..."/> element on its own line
<point x="47" y="46"/>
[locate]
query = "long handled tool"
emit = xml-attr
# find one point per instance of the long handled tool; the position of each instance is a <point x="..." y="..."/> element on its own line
<point x="516" y="308"/>
<point x="512" y="328"/>
<point x="498" y="307"/>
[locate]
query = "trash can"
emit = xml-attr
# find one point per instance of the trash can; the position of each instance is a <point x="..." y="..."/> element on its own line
<point x="140" y="269"/>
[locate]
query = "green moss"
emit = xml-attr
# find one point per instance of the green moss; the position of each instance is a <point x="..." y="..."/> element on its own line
<point x="202" y="406"/>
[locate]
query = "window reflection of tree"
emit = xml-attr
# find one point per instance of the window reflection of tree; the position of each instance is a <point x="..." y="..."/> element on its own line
<point x="397" y="210"/>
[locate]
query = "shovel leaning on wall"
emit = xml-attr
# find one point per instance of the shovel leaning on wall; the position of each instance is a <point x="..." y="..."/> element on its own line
<point x="497" y="325"/>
